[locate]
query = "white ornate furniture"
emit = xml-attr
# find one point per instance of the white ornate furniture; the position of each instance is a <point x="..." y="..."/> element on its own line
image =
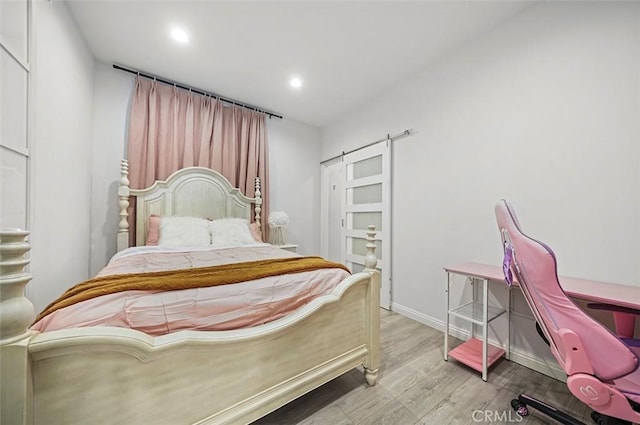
<point x="289" y="247"/>
<point x="122" y="376"/>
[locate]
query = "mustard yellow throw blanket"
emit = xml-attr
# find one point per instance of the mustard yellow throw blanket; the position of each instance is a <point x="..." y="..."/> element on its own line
<point x="187" y="278"/>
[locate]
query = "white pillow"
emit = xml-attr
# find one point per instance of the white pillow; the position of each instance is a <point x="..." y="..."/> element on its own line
<point x="184" y="231"/>
<point x="230" y="232"/>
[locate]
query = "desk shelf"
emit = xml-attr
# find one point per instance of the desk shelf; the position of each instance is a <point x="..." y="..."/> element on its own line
<point x="470" y="353"/>
<point x="473" y="312"/>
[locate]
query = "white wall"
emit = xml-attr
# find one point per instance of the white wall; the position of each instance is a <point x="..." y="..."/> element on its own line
<point x="543" y="111"/>
<point x="293" y="157"/>
<point x="294" y="152"/>
<point x="112" y="97"/>
<point x="61" y="154"/>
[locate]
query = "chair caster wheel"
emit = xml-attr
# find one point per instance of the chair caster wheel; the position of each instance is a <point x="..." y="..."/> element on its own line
<point x="519" y="407"/>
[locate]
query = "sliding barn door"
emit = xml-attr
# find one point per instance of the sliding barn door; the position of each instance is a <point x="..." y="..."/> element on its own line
<point x="15" y="21"/>
<point x="367" y="200"/>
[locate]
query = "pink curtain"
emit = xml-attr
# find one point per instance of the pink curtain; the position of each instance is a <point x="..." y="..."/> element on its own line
<point x="171" y="128"/>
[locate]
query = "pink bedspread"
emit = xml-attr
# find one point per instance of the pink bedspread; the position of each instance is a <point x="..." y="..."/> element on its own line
<point x="214" y="308"/>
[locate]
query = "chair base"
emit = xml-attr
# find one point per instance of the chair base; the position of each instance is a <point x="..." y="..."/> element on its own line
<point x="520" y="406"/>
<point x="601" y="419"/>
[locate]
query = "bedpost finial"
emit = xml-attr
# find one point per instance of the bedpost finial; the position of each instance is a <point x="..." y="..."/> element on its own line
<point x="123" y="196"/>
<point x="124" y="173"/>
<point x="16" y="315"/>
<point x="123" y="203"/>
<point x="258" y="207"/>
<point x="16" y="311"/>
<point x="370" y="260"/>
<point x="258" y="187"/>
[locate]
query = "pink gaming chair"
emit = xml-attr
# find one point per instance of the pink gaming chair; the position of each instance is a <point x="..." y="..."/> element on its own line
<point x="603" y="370"/>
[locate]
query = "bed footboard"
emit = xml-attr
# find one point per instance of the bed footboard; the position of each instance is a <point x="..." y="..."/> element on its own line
<point x="116" y="375"/>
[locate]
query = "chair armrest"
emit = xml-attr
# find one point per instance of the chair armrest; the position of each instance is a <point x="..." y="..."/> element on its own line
<point x="575" y="355"/>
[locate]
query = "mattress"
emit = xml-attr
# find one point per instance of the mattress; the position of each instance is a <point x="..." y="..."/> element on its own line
<point x="215" y="308"/>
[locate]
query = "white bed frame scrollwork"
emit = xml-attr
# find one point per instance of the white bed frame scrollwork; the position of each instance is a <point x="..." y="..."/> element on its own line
<point x="112" y="375"/>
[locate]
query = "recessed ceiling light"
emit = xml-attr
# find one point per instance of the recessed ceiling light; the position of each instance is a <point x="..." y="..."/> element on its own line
<point x="179" y="35"/>
<point x="295" y="82"/>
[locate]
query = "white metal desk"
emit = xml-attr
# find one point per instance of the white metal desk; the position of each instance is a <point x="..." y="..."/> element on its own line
<point x="476" y="353"/>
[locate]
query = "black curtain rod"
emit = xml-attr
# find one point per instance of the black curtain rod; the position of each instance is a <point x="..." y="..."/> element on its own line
<point x="389" y="137"/>
<point x="195" y="90"/>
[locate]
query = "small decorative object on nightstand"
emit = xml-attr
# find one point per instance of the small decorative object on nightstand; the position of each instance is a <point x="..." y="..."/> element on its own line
<point x="278" y="221"/>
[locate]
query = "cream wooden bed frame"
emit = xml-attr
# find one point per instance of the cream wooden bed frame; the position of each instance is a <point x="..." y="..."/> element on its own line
<point x="105" y="375"/>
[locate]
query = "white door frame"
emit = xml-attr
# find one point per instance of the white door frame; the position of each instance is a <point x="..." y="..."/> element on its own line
<point x="325" y="197"/>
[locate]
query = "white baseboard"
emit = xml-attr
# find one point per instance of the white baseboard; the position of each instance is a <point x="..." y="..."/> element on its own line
<point x="418" y="317"/>
<point x="523" y="358"/>
<point x="539" y="365"/>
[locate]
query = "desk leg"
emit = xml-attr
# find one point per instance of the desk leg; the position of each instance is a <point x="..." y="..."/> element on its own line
<point x="625" y="324"/>
<point x="446" y="320"/>
<point x="507" y="351"/>
<point x="485" y="327"/>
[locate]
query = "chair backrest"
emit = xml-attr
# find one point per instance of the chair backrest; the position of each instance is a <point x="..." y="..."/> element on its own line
<point x="534" y="266"/>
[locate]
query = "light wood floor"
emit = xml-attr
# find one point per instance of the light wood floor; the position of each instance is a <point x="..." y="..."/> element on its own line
<point x="417" y="387"/>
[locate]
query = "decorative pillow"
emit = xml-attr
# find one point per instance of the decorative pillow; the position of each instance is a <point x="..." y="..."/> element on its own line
<point x="255" y="232"/>
<point x="230" y="232"/>
<point x="184" y="231"/>
<point x="153" y="233"/>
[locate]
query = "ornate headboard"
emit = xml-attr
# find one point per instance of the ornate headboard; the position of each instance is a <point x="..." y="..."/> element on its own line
<point x="191" y="191"/>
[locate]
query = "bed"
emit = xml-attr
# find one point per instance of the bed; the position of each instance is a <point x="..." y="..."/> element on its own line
<point x="119" y="375"/>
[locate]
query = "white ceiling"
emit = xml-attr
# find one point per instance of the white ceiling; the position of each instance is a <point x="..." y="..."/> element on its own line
<point x="346" y="52"/>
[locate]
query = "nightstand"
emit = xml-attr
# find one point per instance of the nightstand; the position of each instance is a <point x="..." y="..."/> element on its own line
<point x="289" y="247"/>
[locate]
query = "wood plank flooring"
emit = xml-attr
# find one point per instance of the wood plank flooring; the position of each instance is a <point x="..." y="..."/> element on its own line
<point x="417" y="387"/>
